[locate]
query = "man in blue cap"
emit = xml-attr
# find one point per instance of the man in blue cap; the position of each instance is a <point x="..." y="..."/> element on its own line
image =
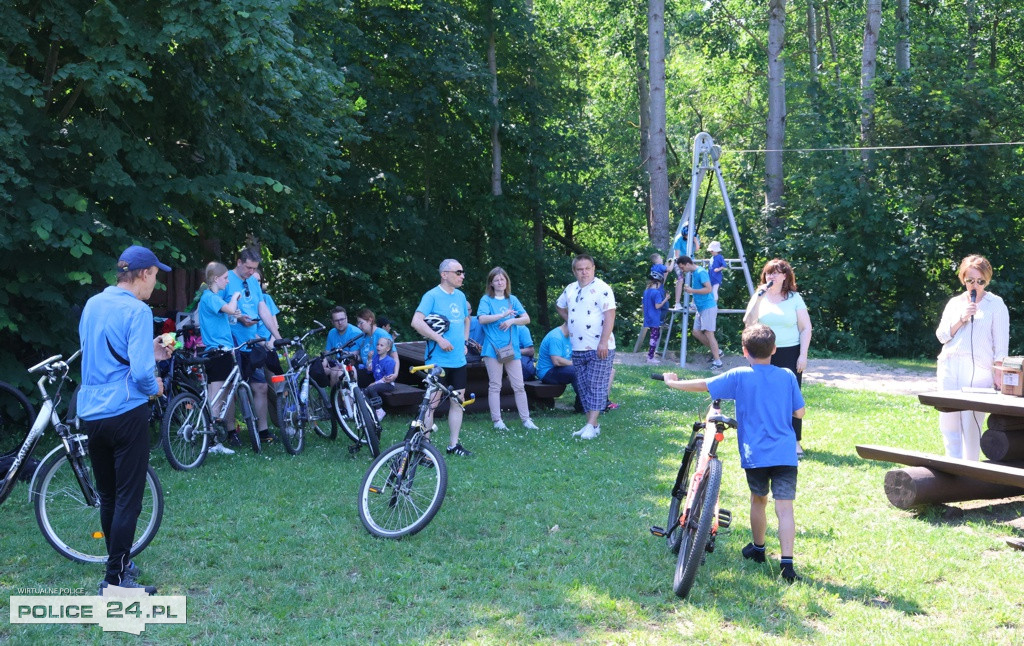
<point x="119" y="356"/>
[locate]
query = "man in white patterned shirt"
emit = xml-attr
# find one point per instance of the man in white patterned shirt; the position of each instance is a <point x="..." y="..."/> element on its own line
<point x="588" y="306"/>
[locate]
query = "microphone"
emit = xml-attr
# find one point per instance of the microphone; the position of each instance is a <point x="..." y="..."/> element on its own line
<point x="764" y="289"/>
<point x="974" y="299"/>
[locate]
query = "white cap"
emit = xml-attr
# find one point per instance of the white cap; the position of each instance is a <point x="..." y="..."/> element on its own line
<point x="715" y="246"/>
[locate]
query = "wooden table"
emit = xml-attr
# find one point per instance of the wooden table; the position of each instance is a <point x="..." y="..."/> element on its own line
<point x="935" y="478"/>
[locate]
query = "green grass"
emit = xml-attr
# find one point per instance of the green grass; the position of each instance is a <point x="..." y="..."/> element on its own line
<point x="544" y="539"/>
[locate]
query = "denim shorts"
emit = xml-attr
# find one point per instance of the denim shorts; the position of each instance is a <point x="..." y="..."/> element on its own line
<point x="783" y="482"/>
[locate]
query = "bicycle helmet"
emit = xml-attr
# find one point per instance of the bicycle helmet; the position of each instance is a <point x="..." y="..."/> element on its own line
<point x="657" y="275"/>
<point x="437" y="322"/>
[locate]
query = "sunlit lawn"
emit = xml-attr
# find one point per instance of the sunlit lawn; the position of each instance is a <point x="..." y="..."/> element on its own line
<point x="543" y="538"/>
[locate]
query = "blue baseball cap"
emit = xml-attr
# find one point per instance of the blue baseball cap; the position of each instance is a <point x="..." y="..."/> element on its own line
<point x="140" y="258"/>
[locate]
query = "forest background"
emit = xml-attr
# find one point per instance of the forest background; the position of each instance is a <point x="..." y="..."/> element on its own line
<point x="360" y="142"/>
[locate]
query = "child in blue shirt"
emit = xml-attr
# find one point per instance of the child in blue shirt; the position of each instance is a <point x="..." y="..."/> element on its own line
<point x="383" y="368"/>
<point x="767" y="398"/>
<point x="654" y="300"/>
<point x="718" y="266"/>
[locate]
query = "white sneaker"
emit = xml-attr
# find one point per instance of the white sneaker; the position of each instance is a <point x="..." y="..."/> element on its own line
<point x="586" y="429"/>
<point x="380" y="414"/>
<point x="530" y="426"/>
<point x="594" y="432"/>
<point x="220" y="449"/>
<point x="500" y="426"/>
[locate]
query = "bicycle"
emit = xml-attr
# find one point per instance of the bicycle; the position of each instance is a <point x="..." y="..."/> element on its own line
<point x="63" y="489"/>
<point x="405" y="485"/>
<point x="301" y="400"/>
<point x="694" y="516"/>
<point x="188" y="424"/>
<point x="352" y="409"/>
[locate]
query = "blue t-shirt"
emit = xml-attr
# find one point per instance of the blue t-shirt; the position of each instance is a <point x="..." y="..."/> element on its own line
<point x="476" y="331"/>
<point x="652" y="315"/>
<point x="494" y="336"/>
<point x="766" y="398"/>
<point x="248" y="303"/>
<point x="213" y="323"/>
<point x="679" y="243"/>
<point x="368" y="345"/>
<point x="261" y="328"/>
<point x="525" y="340"/>
<point x="382" y="366"/>
<point x="455" y="308"/>
<point x="349" y="339"/>
<point x="554" y="344"/>
<point x="716" y="276"/>
<point x="698" y="280"/>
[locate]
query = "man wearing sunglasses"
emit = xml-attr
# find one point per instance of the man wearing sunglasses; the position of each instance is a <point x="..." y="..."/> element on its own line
<point x="448" y="350"/>
<point x="588" y="306"/>
<point x="253" y="307"/>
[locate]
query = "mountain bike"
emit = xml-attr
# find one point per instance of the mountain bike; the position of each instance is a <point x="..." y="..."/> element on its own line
<point x="301" y="402"/>
<point x="188" y="424"/>
<point x="404" y="487"/>
<point x="63" y="489"/>
<point x="694" y="516"/>
<point x="352" y="410"/>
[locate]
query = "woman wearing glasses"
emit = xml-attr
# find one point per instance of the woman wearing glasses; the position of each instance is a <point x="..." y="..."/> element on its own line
<point x="778" y="305"/>
<point x="975" y="333"/>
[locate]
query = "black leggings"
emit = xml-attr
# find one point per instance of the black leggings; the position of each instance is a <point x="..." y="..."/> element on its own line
<point x="786" y="358"/>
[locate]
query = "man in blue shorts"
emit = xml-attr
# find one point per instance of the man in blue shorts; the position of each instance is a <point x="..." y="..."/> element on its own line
<point x="767" y="399"/>
<point x="448" y="350"/>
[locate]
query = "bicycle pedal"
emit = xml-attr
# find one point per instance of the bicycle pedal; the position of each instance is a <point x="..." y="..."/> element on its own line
<point x="373" y="489"/>
<point x="658" y="531"/>
<point x="352" y="450"/>
<point x="724" y="518"/>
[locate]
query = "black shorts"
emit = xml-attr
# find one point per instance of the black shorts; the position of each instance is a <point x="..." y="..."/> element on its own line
<point x="782" y="480"/>
<point x="219" y="367"/>
<point x="455" y="378"/>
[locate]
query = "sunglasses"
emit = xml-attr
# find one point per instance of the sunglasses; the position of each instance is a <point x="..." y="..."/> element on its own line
<point x="980" y="282"/>
<point x="457" y="272"/>
<point x="245" y="283"/>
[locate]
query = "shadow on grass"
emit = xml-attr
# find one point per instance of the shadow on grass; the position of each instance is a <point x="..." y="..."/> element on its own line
<point x="999" y="513"/>
<point x="828" y="458"/>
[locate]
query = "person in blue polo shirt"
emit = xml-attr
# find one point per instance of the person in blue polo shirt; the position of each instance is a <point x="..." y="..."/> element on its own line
<point x="119" y="356"/>
<point x="448" y="350"/>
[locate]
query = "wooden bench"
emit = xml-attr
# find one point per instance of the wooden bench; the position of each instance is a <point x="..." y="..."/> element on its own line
<point x="403" y="396"/>
<point x="543" y="394"/>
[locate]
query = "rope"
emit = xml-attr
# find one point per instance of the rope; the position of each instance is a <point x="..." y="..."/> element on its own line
<point x="860" y="148"/>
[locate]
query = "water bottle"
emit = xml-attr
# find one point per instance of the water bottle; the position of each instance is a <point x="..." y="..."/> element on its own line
<point x="304" y="393"/>
<point x="232" y="319"/>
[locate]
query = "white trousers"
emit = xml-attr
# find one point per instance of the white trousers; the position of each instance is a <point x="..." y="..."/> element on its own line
<point x="961" y="431"/>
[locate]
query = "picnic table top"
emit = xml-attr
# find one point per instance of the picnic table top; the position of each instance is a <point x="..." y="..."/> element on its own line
<point x="984" y="402"/>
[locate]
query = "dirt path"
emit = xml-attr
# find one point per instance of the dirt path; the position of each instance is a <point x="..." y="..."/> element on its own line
<point x="840" y="373"/>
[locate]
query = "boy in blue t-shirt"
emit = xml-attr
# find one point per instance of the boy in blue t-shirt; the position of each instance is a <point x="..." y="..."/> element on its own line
<point x="382" y="366"/>
<point x="767" y="398"/>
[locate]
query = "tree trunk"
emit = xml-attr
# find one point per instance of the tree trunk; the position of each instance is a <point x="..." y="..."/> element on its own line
<point x="776" y="126"/>
<point x="492" y="65"/>
<point x="658" y="164"/>
<point x="643" y="90"/>
<point x="992" y="60"/>
<point x="833" y="48"/>
<point x="903" y="40"/>
<point x="812" y="39"/>
<point x="868" y="64"/>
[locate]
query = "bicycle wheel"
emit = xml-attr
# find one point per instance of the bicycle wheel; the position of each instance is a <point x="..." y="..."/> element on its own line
<point x="185" y="432"/>
<point x="318" y="409"/>
<point x="291" y="428"/>
<point x="16" y="418"/>
<point x="402" y="490"/>
<point x="698" y="530"/>
<point x="72" y="527"/>
<point x="345" y="411"/>
<point x="245" y="404"/>
<point x="672" y="529"/>
<point x="369" y="429"/>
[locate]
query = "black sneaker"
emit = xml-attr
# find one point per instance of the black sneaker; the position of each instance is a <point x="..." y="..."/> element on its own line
<point x="789" y="573"/>
<point x="129" y="583"/>
<point x="233" y="438"/>
<point x="752" y="553"/>
<point x="458" y="449"/>
<point x="266" y="437"/>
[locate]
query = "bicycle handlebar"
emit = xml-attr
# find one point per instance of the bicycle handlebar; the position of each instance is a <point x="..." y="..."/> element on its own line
<point x="416" y="369"/>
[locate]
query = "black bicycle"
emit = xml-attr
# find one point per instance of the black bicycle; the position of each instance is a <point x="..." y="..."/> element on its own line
<point x="301" y="402"/>
<point x="63" y="489"/>
<point x="353" y="410"/>
<point x="404" y="487"/>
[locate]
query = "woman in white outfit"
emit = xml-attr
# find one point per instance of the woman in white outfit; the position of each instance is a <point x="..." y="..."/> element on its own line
<point x="975" y="333"/>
